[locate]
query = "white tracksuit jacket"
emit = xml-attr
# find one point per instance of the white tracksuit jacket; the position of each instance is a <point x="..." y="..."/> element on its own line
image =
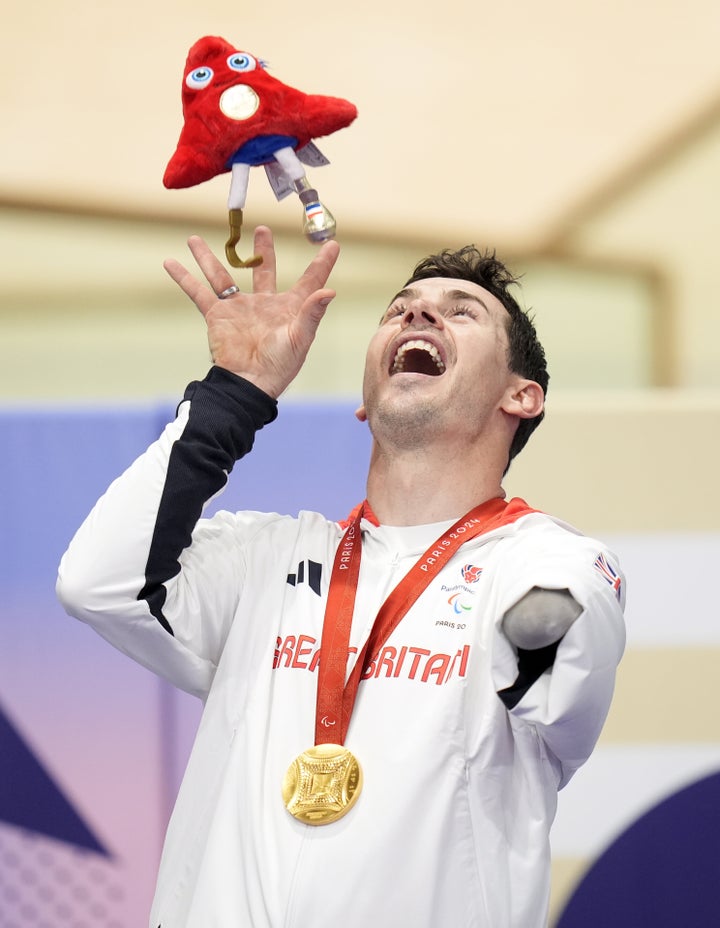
<point x="463" y="742"/>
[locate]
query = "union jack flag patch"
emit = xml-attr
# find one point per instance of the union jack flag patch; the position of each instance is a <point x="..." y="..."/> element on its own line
<point x="608" y="574"/>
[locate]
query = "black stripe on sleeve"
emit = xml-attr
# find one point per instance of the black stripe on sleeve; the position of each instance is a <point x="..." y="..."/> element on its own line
<point x="225" y="413"/>
<point x="531" y="666"/>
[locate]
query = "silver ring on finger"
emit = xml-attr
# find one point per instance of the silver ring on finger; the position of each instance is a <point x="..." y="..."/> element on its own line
<point x="229" y="291"/>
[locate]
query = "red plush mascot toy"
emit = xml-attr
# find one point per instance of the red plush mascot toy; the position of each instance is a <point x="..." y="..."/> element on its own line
<point x="236" y="116"/>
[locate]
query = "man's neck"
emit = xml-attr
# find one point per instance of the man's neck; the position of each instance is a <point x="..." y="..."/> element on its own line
<point x="418" y="487"/>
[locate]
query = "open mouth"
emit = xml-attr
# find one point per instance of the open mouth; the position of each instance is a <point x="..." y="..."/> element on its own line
<point x="417" y="357"/>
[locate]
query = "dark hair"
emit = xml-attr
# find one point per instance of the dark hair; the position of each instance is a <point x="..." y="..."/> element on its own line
<point x="526" y="355"/>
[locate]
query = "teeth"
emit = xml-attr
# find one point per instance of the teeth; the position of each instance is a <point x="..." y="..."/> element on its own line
<point x="417" y="344"/>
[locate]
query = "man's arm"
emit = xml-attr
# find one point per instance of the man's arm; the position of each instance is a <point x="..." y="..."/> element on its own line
<point x="142" y="570"/>
<point x="540" y="618"/>
<point x="560" y="635"/>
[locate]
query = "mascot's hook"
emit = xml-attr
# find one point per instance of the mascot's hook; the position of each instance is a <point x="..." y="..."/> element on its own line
<point x="235" y="218"/>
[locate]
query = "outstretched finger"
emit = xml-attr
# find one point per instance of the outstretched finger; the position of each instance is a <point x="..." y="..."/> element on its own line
<point x="314" y="308"/>
<point x="264" y="276"/>
<point x="318" y="271"/>
<point x="190" y="285"/>
<point x="216" y="274"/>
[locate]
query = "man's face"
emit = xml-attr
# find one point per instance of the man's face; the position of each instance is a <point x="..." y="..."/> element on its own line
<point x="439" y="357"/>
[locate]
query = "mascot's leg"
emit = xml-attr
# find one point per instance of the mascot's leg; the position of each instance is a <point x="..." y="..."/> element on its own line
<point x="319" y="225"/>
<point x="236" y="202"/>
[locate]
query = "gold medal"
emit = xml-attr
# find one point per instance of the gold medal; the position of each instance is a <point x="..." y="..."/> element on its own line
<point x="322" y="784"/>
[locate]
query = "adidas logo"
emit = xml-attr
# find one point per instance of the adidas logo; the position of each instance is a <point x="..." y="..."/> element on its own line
<point x="307" y="571"/>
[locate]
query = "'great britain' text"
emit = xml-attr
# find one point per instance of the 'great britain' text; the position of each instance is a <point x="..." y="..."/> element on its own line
<point x="301" y="652"/>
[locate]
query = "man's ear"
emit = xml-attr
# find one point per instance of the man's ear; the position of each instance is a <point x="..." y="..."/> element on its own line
<point x="360" y="414"/>
<point x="524" y="399"/>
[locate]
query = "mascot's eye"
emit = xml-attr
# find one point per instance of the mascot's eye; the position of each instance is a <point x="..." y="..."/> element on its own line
<point x="241" y="62"/>
<point x="199" y="78"/>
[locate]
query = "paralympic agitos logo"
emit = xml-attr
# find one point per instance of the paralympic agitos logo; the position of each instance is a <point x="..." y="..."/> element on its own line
<point x="458" y="607"/>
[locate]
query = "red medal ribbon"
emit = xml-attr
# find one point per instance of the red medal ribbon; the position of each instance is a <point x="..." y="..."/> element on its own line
<point x="335" y="697"/>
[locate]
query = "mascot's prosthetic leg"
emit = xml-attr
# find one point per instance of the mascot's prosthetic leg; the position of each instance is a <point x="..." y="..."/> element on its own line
<point x="319" y="224"/>
<point x="237" y="116"/>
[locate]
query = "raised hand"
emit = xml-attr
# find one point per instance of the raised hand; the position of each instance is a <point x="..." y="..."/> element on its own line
<point x="263" y="336"/>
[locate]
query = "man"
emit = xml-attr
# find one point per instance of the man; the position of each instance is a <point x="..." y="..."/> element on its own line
<point x="385" y="748"/>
